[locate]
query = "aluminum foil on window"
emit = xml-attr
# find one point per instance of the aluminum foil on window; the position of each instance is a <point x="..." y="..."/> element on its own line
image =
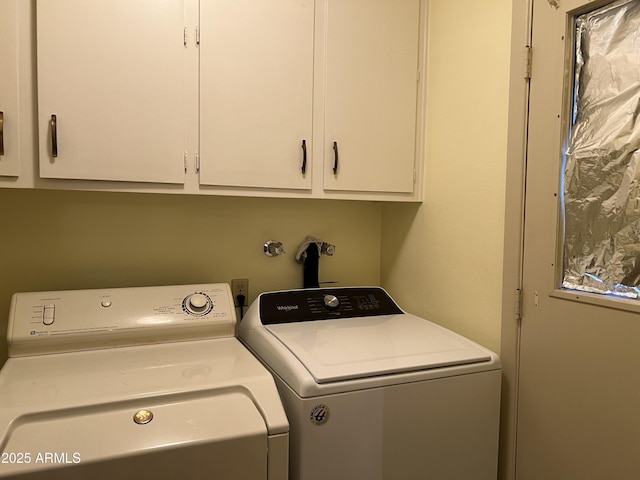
<point x="602" y="162"/>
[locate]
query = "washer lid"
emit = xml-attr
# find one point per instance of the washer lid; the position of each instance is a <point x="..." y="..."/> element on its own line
<point x="344" y="349"/>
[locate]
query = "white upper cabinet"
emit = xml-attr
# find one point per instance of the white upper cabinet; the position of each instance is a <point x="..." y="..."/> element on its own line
<point x="9" y="92"/>
<point x="256" y="93"/>
<point x="111" y="101"/>
<point x="371" y="70"/>
<point x="280" y="98"/>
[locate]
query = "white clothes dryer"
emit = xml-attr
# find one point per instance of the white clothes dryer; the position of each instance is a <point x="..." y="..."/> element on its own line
<point x="136" y="383"/>
<point x="374" y="393"/>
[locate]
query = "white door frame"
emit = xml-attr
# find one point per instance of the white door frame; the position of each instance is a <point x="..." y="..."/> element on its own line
<point x="514" y="229"/>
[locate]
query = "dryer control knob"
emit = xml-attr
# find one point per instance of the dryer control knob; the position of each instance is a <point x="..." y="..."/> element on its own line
<point x="197" y="303"/>
<point x="331" y="301"/>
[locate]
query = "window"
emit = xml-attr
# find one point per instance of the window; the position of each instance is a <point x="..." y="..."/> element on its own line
<point x="602" y="161"/>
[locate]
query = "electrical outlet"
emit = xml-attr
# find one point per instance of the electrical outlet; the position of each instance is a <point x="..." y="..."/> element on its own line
<point x="240" y="286"/>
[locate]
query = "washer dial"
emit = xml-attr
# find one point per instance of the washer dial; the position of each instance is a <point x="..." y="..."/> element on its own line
<point x="330" y="301"/>
<point x="197" y="303"/>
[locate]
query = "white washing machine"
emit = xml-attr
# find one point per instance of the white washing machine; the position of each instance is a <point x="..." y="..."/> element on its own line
<point x="374" y="393"/>
<point x="136" y="383"/>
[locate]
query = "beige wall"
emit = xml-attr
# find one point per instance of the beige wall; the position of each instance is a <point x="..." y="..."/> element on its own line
<point x="64" y="240"/>
<point x="443" y="259"/>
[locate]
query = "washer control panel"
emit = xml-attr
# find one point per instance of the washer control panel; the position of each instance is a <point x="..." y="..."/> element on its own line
<point x="324" y="304"/>
<point x="63" y="321"/>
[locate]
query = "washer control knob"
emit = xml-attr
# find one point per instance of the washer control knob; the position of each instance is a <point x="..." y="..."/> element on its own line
<point x="197" y="304"/>
<point x="331" y="301"/>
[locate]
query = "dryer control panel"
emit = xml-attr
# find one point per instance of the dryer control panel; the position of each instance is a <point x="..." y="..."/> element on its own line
<point x="65" y="321"/>
<point x="324" y="304"/>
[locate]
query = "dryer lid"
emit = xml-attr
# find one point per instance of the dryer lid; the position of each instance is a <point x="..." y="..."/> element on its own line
<point x="345" y="349"/>
<point x="146" y="437"/>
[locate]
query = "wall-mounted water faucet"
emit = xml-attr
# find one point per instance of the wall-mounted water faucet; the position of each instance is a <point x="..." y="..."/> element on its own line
<point x="308" y="255"/>
<point x="273" y="248"/>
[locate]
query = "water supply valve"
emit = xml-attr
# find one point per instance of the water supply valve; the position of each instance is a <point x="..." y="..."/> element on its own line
<point x="273" y="248"/>
<point x="308" y="255"/>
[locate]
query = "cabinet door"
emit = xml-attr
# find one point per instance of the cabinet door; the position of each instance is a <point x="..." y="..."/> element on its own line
<point x="112" y="73"/>
<point x="256" y="81"/>
<point x="9" y="121"/>
<point x="371" y="71"/>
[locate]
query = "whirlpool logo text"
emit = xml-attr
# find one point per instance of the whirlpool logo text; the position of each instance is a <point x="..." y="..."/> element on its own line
<point x="287" y="308"/>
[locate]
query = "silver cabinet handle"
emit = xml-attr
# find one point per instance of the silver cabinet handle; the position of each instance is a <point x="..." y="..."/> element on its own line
<point x="54" y="136"/>
<point x="1" y="133"/>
